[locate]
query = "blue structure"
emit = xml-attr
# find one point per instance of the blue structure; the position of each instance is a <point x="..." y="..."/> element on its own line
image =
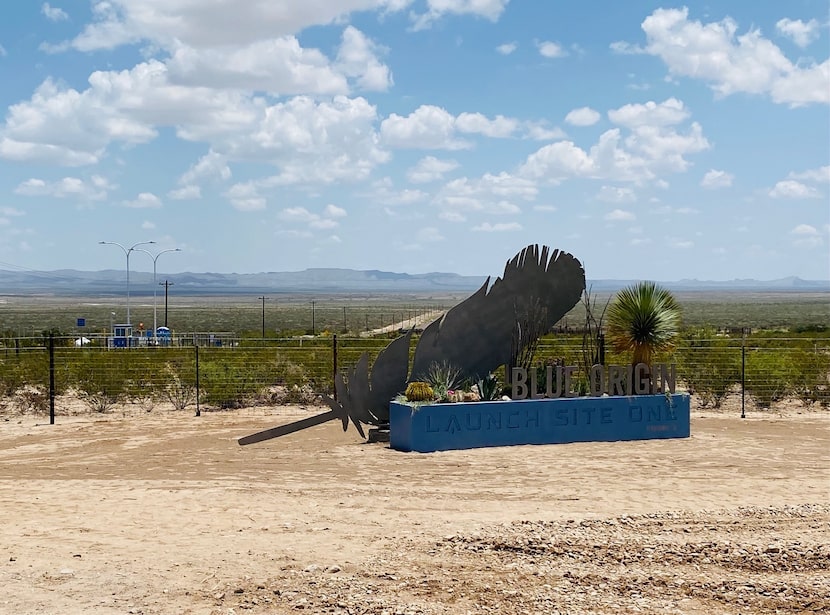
<point x="122" y="336"/>
<point x="441" y="427"/>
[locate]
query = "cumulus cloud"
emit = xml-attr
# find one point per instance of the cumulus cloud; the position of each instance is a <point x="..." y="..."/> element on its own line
<point x="791" y="189"/>
<point x="245" y="197"/>
<point x="53" y="13"/>
<point x="436" y="9"/>
<point x="730" y="62"/>
<point x="802" y="33"/>
<point x="430" y="169"/>
<point x="584" y="116"/>
<point x="429" y="234"/>
<point x="313" y="221"/>
<point x="167" y="23"/>
<point x="821" y="175"/>
<point x="94" y="189"/>
<point x="549" y="49"/>
<point x="806" y="236"/>
<point x="616" y="194"/>
<point x="653" y="144"/>
<point x="619" y="215"/>
<point x="431" y="127"/>
<point x="714" y="179"/>
<point x="494" y="194"/>
<point x="384" y="191"/>
<point x="500" y="227"/>
<point x="506" y="49"/>
<point x="145" y="200"/>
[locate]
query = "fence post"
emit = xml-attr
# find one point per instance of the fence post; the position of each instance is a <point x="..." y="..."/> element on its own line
<point x="334" y="364"/>
<point x="51" y="378"/>
<point x="198" y="409"/>
<point x="743" y="373"/>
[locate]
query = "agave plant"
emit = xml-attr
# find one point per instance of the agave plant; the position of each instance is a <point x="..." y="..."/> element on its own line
<point x="644" y="319"/>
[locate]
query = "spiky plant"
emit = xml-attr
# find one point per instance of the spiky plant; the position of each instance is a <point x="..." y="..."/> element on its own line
<point x="644" y="319"/>
<point x="419" y="391"/>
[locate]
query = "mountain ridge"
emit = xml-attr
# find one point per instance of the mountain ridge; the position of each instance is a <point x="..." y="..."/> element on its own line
<point x="326" y="279"/>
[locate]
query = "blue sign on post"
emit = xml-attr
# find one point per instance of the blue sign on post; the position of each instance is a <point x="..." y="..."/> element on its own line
<point x="81" y="322"/>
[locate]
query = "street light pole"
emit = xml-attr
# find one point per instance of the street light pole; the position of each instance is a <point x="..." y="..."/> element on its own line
<point x="155" y="286"/>
<point x="127" y="254"/>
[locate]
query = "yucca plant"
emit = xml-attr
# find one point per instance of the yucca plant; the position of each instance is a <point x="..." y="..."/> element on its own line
<point x="644" y="319"/>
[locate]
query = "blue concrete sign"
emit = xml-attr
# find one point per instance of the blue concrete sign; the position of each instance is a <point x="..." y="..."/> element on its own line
<point x="441" y="427"/>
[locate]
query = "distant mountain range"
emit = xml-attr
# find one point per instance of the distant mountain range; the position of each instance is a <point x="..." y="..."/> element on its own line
<point x="69" y="282"/>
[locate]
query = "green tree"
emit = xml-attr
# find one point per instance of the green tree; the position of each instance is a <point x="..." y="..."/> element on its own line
<point x="643" y="319"/>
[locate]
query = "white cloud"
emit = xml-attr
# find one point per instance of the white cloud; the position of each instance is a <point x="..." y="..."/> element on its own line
<point x="430" y="169"/>
<point x="680" y="244"/>
<point x="3" y="52"/>
<point x="624" y="48"/>
<point x="95" y="189"/>
<point x="489" y="194"/>
<point x="186" y="193"/>
<point x="584" y="116"/>
<point x="333" y="211"/>
<point x="545" y="208"/>
<point x="653" y="145"/>
<point x="540" y="131"/>
<point x="383" y="191"/>
<point x="429" y="234"/>
<point x="667" y="113"/>
<point x="301" y="215"/>
<point x="357" y="58"/>
<point x="549" y="49"/>
<point x="488" y="9"/>
<point x="806" y="236"/>
<point x="53" y="13"/>
<point x="209" y="167"/>
<point x="730" y="63"/>
<point x="428" y="127"/>
<point x="476" y="123"/>
<point x="713" y="179"/>
<point x="431" y="127"/>
<point x="821" y="174"/>
<point x="500" y="227"/>
<point x="245" y="197"/>
<point x="145" y="200"/>
<point x="791" y="189"/>
<point x="171" y="22"/>
<point x="619" y="215"/>
<point x="615" y="194"/>
<point x="802" y="33"/>
<point x="507" y="48"/>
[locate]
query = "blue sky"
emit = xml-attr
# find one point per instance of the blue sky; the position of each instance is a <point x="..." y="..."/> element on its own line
<point x="651" y="140"/>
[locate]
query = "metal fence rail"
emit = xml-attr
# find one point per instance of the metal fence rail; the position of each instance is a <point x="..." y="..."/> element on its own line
<point x="42" y="374"/>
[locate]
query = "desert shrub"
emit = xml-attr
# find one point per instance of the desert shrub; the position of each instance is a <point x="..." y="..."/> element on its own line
<point x="103" y="379"/>
<point x="770" y="376"/>
<point x="178" y="390"/>
<point x="811" y="377"/>
<point x="709" y="366"/>
<point x="31" y="399"/>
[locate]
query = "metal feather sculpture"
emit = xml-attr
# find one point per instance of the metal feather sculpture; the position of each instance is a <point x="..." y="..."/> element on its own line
<point x="477" y="336"/>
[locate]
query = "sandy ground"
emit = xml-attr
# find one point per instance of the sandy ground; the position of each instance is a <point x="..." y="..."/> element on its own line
<point x="162" y="512"/>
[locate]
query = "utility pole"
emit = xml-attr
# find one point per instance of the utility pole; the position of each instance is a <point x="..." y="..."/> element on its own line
<point x="313" y="329"/>
<point x="167" y="284"/>
<point x="263" y="315"/>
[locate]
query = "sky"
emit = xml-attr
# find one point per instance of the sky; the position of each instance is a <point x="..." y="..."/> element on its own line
<point x="651" y="140"/>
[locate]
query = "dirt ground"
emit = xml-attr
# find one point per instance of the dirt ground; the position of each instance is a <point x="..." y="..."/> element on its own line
<point x="163" y="512"/>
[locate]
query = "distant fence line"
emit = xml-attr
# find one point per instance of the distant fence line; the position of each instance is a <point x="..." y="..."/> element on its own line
<point x="222" y="371"/>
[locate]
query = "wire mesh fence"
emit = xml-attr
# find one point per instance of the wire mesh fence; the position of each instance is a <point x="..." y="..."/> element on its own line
<point x="51" y="374"/>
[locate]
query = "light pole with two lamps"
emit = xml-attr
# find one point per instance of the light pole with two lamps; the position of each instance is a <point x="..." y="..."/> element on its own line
<point x="155" y="286"/>
<point x="127" y="254"/>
